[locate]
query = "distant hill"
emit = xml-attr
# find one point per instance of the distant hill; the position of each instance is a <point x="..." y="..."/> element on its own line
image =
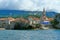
<point x="51" y="14"/>
<point x="6" y="13"/>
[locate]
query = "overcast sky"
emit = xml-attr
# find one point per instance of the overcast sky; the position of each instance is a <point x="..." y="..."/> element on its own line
<point x="30" y="5"/>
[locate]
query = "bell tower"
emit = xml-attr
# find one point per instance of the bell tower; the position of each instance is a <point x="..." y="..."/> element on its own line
<point x="44" y="12"/>
<point x="43" y="15"/>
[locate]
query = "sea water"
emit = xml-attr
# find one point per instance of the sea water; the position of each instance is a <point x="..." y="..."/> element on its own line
<point x="29" y="34"/>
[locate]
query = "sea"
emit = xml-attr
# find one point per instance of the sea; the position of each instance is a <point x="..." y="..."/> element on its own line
<point x="29" y="34"/>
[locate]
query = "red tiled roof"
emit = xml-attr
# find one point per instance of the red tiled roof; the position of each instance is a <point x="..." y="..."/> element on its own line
<point x="3" y="18"/>
<point x="50" y="19"/>
<point x="21" y="19"/>
<point x="34" y="18"/>
<point x="10" y="19"/>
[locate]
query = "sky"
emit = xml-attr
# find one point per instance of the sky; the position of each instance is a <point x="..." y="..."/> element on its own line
<point x="30" y="5"/>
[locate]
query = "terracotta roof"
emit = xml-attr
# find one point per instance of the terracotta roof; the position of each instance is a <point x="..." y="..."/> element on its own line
<point x="24" y="20"/>
<point x="17" y="19"/>
<point x="34" y="18"/>
<point x="50" y="19"/>
<point x="10" y="19"/>
<point x="21" y="19"/>
<point x="30" y="17"/>
<point x="3" y="19"/>
<point x="46" y="18"/>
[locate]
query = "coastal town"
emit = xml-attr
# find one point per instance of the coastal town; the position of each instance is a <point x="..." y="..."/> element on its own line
<point x="30" y="22"/>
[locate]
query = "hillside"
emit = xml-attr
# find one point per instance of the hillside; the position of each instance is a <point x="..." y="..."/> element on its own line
<point x="18" y="13"/>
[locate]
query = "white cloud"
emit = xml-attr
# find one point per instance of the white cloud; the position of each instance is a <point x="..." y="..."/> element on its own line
<point x="31" y="5"/>
<point x="3" y="3"/>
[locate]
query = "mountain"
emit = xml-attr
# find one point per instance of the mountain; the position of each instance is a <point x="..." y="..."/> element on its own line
<point x="6" y="13"/>
<point x="51" y="14"/>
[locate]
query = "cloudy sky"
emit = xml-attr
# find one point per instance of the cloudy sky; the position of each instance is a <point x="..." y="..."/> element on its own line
<point x="30" y="5"/>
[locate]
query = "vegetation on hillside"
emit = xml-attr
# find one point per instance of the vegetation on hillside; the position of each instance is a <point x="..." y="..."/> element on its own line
<point x="54" y="23"/>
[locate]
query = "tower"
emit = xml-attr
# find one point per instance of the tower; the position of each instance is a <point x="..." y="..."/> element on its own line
<point x="43" y="15"/>
<point x="44" y="12"/>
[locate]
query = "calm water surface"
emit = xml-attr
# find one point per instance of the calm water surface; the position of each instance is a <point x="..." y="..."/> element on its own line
<point x="30" y="35"/>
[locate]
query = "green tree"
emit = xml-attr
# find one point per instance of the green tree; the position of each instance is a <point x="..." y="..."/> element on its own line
<point x="54" y="23"/>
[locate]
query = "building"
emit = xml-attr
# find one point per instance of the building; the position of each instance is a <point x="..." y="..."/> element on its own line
<point x="33" y="20"/>
<point x="3" y="22"/>
<point x="21" y="20"/>
<point x="11" y="23"/>
<point x="7" y="23"/>
<point x="45" y="21"/>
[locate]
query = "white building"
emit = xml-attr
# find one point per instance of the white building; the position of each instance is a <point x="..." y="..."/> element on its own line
<point x="3" y="23"/>
<point x="44" y="21"/>
<point x="7" y="23"/>
<point x="33" y="20"/>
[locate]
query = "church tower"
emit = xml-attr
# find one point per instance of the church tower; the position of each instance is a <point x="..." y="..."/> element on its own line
<point x="43" y="15"/>
<point x="44" y="12"/>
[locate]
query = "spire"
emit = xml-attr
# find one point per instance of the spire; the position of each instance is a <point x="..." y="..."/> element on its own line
<point x="44" y="12"/>
<point x="43" y="15"/>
